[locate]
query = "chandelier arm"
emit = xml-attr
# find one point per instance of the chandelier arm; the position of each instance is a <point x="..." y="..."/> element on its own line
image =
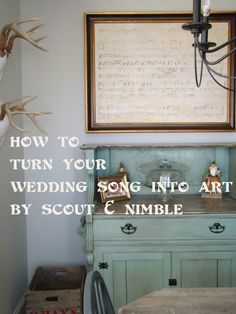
<point x="220" y="74"/>
<point x="214" y="71"/>
<point x="218" y="60"/>
<point x="197" y="79"/>
<point x="217" y="82"/>
<point x="221" y="58"/>
<point x="203" y="49"/>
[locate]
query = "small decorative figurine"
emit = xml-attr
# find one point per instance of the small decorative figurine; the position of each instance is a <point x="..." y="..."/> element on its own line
<point x="213" y="182"/>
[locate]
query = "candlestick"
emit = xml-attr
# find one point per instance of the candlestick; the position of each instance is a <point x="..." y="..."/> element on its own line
<point x="196" y="11"/>
<point x="206" y="8"/>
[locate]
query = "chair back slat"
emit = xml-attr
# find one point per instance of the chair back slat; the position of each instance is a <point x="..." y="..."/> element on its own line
<point x="96" y="296"/>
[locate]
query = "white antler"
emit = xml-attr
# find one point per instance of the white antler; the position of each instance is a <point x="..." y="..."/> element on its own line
<point x="11" y="31"/>
<point x="11" y="109"/>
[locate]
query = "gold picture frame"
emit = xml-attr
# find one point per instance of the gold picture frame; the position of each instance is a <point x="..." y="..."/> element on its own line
<point x="140" y="75"/>
<point x="114" y="188"/>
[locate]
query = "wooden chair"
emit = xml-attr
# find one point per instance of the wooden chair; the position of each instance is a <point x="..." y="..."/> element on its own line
<point x="96" y="296"/>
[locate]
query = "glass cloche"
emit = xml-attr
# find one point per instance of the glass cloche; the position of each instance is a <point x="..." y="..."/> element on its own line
<point x="164" y="173"/>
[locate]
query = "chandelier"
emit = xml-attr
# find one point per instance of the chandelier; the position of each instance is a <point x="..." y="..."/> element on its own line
<point x="200" y="26"/>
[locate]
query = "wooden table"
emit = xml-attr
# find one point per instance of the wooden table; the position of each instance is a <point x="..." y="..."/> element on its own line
<point x="185" y="301"/>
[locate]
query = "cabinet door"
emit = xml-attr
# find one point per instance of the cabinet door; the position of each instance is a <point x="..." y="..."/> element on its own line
<point x="132" y="275"/>
<point x="204" y="269"/>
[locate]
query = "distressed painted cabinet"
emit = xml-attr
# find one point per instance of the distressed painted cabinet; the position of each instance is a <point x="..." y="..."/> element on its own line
<point x="205" y="269"/>
<point x="196" y="249"/>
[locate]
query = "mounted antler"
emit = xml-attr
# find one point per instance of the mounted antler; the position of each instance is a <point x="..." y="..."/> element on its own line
<point x="10" y="32"/>
<point x="11" y="108"/>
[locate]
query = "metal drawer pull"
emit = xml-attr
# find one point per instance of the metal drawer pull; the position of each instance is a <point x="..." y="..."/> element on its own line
<point x="217" y="228"/>
<point x="128" y="229"/>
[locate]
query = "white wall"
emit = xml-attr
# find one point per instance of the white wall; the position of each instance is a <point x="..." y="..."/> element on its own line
<point x="58" y="78"/>
<point x="13" y="244"/>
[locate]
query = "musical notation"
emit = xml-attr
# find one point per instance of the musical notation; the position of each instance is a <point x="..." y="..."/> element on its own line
<point x="144" y="73"/>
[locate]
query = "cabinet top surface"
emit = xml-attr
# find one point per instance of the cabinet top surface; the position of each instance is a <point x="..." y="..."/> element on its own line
<point x="191" y="205"/>
<point x="147" y="145"/>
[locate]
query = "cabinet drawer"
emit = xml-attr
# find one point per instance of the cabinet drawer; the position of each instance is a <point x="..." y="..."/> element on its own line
<point x="164" y="228"/>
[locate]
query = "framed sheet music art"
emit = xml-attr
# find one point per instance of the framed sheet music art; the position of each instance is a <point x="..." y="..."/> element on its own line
<point x="140" y="75"/>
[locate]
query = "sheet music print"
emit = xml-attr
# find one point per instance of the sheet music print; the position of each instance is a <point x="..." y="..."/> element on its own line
<point x="144" y="72"/>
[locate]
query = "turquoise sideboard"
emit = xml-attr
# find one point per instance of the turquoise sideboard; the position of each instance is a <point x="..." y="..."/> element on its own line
<point x="196" y="249"/>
